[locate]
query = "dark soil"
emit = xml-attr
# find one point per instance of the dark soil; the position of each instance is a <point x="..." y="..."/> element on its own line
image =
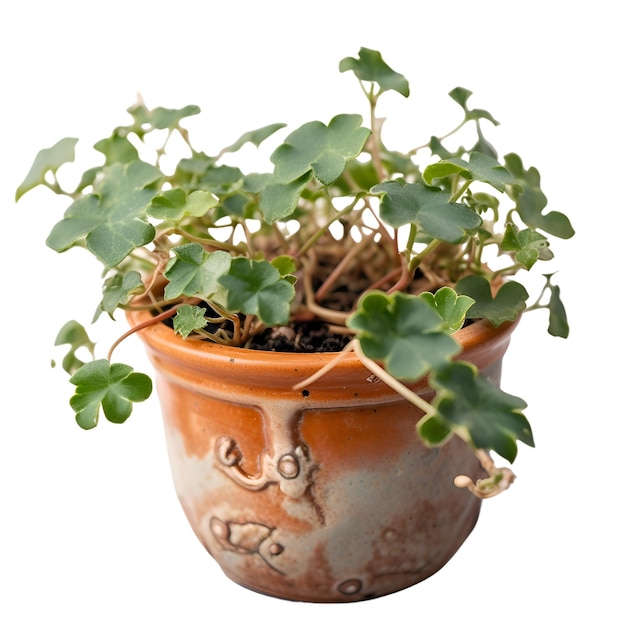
<point x="313" y="336"/>
<point x="308" y="337"/>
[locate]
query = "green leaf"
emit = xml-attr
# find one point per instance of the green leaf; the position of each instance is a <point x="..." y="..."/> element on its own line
<point x="112" y="387"/>
<point x="558" y="325"/>
<point x="193" y="271"/>
<point x="74" y="334"/>
<point x="433" y="430"/>
<point x="482" y="202"/>
<point x="255" y="183"/>
<point x="117" y="149"/>
<point x="531" y="201"/>
<point x="470" y="404"/>
<point x="256" y="137"/>
<point x="257" y="288"/>
<point x="189" y="319"/>
<point x="221" y="180"/>
<point x="445" y="168"/>
<point x="438" y="149"/>
<point x="529" y="245"/>
<point x="480" y="167"/>
<point x="371" y="67"/>
<point x="195" y="165"/>
<point x="324" y="150"/>
<point x="508" y="302"/>
<point x="237" y="205"/>
<point x="118" y="291"/>
<point x="81" y="217"/>
<point x="285" y="264"/>
<point x="461" y="95"/>
<point x="88" y="178"/>
<point x="404" y="332"/>
<point x="47" y="160"/>
<point x="174" y="204"/>
<point x="451" y="307"/>
<point x="428" y="207"/>
<point x="160" y="117"/>
<point x="279" y="201"/>
<point x="112" y="219"/>
<point x="482" y="146"/>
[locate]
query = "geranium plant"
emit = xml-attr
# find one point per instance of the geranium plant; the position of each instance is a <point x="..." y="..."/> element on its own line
<point x="343" y="244"/>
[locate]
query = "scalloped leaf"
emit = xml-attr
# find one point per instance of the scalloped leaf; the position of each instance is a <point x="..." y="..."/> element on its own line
<point x="505" y="306"/>
<point x="194" y="271"/>
<point x="73" y="334"/>
<point x="324" y="150"/>
<point x="471" y="405"/>
<point x="528" y="245"/>
<point x="112" y="387"/>
<point x="118" y="291"/>
<point x="47" y="160"/>
<point x="430" y="208"/>
<point x="558" y="325"/>
<point x="279" y="201"/>
<point x="461" y="95"/>
<point x="174" y="204"/>
<point x="450" y="306"/>
<point x="531" y="201"/>
<point x="222" y="179"/>
<point x="195" y="165"/>
<point x="255" y="137"/>
<point x="257" y="288"/>
<point x="188" y="319"/>
<point x="480" y="167"/>
<point x="117" y="149"/>
<point x="404" y="332"/>
<point x="160" y="117"/>
<point x="371" y="67"/>
<point x="285" y="264"/>
<point x="112" y="219"/>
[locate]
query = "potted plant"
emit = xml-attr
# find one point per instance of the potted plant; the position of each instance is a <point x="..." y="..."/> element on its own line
<point x="327" y="336"/>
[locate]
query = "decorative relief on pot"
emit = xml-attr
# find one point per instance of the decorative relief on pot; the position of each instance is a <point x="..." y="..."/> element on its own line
<point x="248" y="538"/>
<point x="350" y="587"/>
<point x="287" y="461"/>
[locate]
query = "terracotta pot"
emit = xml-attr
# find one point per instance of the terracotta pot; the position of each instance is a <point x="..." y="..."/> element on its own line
<point x="324" y="494"/>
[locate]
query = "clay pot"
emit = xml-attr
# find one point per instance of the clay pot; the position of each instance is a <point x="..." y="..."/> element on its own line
<point x="324" y="494"/>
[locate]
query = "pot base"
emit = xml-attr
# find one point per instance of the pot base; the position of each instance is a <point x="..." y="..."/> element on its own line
<point x="350" y="590"/>
<point x="359" y="530"/>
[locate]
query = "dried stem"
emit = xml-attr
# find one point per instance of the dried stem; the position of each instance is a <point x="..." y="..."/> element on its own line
<point x="499" y="479"/>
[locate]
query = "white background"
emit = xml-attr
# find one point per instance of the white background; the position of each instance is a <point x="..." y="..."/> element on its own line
<point x="90" y="529"/>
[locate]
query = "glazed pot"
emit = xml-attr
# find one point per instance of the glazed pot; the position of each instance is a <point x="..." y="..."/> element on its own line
<point x="324" y="494"/>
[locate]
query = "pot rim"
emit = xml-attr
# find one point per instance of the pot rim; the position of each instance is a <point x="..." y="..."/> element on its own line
<point x="481" y="343"/>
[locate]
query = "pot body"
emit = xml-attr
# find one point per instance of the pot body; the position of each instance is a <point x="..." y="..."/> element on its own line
<point x="324" y="494"/>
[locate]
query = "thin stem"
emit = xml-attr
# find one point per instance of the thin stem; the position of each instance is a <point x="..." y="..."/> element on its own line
<point x="392" y="275"/>
<point x="249" y="238"/>
<point x="389" y="380"/>
<point x="341" y="266"/>
<point x="460" y="191"/>
<point x="320" y="232"/>
<point x="404" y="280"/>
<point x="374" y="140"/>
<point x="330" y="315"/>
<point x="442" y="138"/>
<point x="212" y="243"/>
<point x="153" y="320"/>
<point x="232" y="317"/>
<point x="418" y="258"/>
<point x="499" y="478"/>
<point x="349" y="347"/>
<point x="247" y="328"/>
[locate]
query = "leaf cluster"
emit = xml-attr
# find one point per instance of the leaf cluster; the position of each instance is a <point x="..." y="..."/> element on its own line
<point x="340" y="229"/>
